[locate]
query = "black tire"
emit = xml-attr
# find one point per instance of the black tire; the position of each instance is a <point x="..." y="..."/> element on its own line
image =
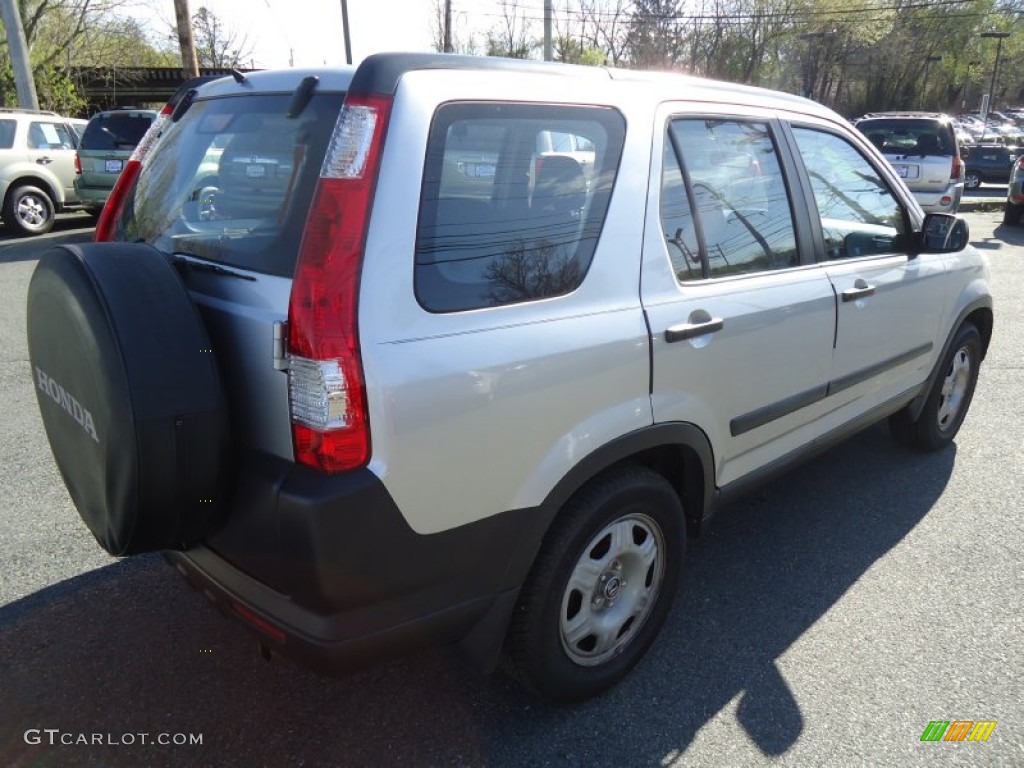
<point x="1011" y="214"/>
<point x="28" y="211"/>
<point x="949" y="398"/>
<point x="630" y="595"/>
<point x="972" y="180"/>
<point x="129" y="395"/>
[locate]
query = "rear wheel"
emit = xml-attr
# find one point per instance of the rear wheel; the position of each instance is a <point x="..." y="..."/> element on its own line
<point x="949" y="398"/>
<point x="1012" y="213"/>
<point x="972" y="181"/>
<point x="28" y="210"/>
<point x="601" y="587"/>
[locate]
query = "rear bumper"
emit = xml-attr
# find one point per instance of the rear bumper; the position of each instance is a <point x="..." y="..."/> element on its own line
<point x="946" y="201"/>
<point x="91" y="197"/>
<point x="326" y="571"/>
<point x="329" y="644"/>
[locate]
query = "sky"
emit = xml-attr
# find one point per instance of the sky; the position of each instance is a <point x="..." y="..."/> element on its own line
<point x="309" y="32"/>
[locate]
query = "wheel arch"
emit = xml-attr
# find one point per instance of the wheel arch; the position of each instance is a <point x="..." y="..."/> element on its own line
<point x="978" y="313"/>
<point x="678" y="451"/>
<point x="35" y="181"/>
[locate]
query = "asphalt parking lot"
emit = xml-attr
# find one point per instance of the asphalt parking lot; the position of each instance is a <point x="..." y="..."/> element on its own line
<point x="824" y="621"/>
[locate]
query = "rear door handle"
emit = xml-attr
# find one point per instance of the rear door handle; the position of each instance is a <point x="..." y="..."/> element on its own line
<point x="852" y="294"/>
<point x="44" y="160"/>
<point x="685" y="331"/>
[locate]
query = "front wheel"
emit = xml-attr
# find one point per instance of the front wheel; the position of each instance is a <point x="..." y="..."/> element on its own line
<point x="972" y="181"/>
<point x="601" y="587"/>
<point x="948" y="399"/>
<point x="28" y="210"/>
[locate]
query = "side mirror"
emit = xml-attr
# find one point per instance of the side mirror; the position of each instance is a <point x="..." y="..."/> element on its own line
<point x="943" y="233"/>
<point x="965" y="151"/>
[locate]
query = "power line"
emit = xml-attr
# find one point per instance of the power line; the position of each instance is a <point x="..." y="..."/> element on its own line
<point x="530" y="13"/>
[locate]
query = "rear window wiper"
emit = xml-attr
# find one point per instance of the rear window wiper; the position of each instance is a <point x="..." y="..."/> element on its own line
<point x="182" y="260"/>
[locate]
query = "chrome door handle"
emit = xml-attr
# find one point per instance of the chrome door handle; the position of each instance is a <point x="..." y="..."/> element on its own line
<point x="852" y="294"/>
<point x="44" y="160"/>
<point x="685" y="331"/>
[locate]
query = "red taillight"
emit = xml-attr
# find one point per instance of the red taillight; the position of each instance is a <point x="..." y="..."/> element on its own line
<point x="259" y="622"/>
<point x="78" y="165"/>
<point x="115" y="203"/>
<point x="954" y="172"/>
<point x="330" y="425"/>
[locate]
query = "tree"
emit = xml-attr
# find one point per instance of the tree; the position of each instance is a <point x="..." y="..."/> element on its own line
<point x="61" y="33"/>
<point x="654" y="40"/>
<point x="217" y="45"/>
<point x="460" y="44"/>
<point x="510" y="37"/>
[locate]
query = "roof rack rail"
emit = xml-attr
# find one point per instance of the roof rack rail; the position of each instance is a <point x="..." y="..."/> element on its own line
<point x="27" y="111"/>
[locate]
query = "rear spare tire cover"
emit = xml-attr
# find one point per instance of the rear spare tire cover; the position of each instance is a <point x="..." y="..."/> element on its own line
<point x="129" y="394"/>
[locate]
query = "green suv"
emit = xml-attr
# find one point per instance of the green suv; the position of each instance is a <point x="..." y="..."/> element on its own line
<point x="108" y="142"/>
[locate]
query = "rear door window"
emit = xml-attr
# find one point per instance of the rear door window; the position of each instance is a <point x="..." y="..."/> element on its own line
<point x="233" y="180"/>
<point x="49" y="135"/>
<point x="7" y="130"/>
<point x="502" y="218"/>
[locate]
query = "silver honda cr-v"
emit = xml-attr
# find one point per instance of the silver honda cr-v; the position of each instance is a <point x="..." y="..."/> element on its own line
<point x="460" y="350"/>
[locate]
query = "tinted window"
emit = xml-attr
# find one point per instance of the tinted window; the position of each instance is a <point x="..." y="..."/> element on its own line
<point x="501" y="222"/>
<point x="115" y="131"/>
<point x="738" y="191"/>
<point x="232" y="181"/>
<point x="859" y="214"/>
<point x="904" y="135"/>
<point x="7" y="128"/>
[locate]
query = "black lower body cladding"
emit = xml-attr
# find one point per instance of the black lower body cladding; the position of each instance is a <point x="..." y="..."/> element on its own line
<point x="129" y="394"/>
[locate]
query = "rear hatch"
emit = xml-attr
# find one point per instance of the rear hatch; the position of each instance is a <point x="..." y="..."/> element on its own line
<point x="922" y="150"/>
<point x="108" y="142"/>
<point x="225" y="194"/>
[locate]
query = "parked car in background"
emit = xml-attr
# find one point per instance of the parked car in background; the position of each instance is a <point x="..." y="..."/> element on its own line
<point x="37" y="169"/>
<point x="924" y="150"/>
<point x="108" y="142"/>
<point x="1015" y="194"/>
<point x="79" y="125"/>
<point x="988" y="164"/>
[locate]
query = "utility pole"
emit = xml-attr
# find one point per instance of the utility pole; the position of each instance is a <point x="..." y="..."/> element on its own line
<point x="189" y="62"/>
<point x="447" y="26"/>
<point x="344" y="30"/>
<point x="23" y="81"/>
<point x="547" y="30"/>
<point x="1000" y="36"/>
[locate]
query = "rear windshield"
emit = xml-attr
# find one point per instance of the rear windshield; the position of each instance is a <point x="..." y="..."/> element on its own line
<point x="120" y="131"/>
<point x="232" y="181"/>
<point x="907" y="136"/>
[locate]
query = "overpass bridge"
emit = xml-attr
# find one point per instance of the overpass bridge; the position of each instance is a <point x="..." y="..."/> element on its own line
<point x="105" y="88"/>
